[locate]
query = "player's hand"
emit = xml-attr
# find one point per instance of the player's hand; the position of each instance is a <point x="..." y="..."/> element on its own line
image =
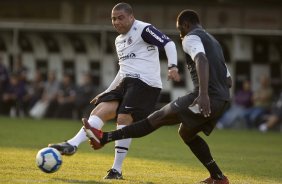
<point x="173" y="74"/>
<point x="94" y="100"/>
<point x="203" y="101"/>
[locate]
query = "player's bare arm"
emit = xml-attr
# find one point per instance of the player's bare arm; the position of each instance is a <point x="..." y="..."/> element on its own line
<point x="202" y="67"/>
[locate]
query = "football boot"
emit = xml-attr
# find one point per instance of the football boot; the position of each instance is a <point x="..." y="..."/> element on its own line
<point x="64" y="148"/>
<point x="93" y="134"/>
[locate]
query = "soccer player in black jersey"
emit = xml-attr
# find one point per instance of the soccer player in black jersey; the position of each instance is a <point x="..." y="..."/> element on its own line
<point x="195" y="112"/>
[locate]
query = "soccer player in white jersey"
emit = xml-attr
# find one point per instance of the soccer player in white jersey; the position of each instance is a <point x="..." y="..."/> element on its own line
<point x="134" y="92"/>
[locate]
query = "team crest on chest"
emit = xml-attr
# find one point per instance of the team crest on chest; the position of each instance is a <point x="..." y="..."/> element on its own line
<point x="129" y="41"/>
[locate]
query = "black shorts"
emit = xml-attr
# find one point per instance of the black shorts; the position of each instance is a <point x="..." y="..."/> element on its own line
<point x="135" y="97"/>
<point x="191" y="120"/>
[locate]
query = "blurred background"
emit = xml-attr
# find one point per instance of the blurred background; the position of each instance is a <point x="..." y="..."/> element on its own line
<point x="62" y="51"/>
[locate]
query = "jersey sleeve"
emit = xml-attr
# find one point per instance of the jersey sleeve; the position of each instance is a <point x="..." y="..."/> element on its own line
<point x="153" y="36"/>
<point x="193" y="45"/>
<point x="115" y="82"/>
<point x="171" y="53"/>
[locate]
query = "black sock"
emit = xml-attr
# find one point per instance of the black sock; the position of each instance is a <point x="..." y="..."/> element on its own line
<point x="138" y="129"/>
<point x="201" y="150"/>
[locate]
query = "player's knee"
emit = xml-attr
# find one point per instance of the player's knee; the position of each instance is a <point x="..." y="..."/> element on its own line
<point x="186" y="137"/>
<point x="105" y="111"/>
<point x="124" y="119"/>
<point x="157" y="118"/>
<point x="181" y="133"/>
<point x="157" y="115"/>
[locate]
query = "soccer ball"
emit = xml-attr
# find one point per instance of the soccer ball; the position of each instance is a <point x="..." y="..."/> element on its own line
<point x="49" y="160"/>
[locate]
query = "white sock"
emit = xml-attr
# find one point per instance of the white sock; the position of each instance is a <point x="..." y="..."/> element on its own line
<point x="80" y="137"/>
<point x="121" y="149"/>
<point x="95" y="122"/>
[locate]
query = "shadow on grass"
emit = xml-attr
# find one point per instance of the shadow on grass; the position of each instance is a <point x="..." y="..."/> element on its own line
<point x="97" y="182"/>
<point x="136" y="181"/>
<point x="77" y="181"/>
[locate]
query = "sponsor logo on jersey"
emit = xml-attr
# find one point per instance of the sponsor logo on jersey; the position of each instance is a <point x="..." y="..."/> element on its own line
<point x="128" y="56"/>
<point x="151" y="47"/>
<point x="154" y="35"/>
<point x="165" y="37"/>
<point x="132" y="75"/>
<point x="121" y="44"/>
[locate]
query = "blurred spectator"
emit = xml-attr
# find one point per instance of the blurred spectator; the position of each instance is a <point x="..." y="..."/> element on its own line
<point x="50" y="94"/>
<point x="20" y="69"/>
<point x="4" y="83"/>
<point x="66" y="98"/>
<point x="242" y="101"/>
<point x="274" y="118"/>
<point x="85" y="93"/>
<point x="34" y="92"/>
<point x="4" y="77"/>
<point x="12" y="99"/>
<point x="262" y="100"/>
<point x="51" y="87"/>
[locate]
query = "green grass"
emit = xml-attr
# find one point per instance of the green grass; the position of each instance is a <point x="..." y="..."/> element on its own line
<point x="246" y="157"/>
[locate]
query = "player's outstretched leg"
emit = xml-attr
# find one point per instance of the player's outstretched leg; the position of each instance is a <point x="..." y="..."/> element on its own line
<point x="64" y="148"/>
<point x="165" y="116"/>
<point x="98" y="138"/>
<point x="70" y="146"/>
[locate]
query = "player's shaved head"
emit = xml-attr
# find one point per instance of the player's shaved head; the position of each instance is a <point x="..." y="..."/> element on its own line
<point x="189" y="16"/>
<point x="123" y="6"/>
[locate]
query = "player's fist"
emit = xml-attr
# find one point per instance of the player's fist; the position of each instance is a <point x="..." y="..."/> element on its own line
<point x="173" y="74"/>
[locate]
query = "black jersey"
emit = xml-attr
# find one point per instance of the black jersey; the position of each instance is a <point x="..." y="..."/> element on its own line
<point x="218" y="86"/>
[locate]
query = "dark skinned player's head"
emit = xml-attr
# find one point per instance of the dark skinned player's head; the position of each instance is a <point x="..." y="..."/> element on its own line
<point x="186" y="20"/>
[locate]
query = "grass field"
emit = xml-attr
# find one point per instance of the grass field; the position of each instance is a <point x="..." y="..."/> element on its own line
<point x="246" y="157"/>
